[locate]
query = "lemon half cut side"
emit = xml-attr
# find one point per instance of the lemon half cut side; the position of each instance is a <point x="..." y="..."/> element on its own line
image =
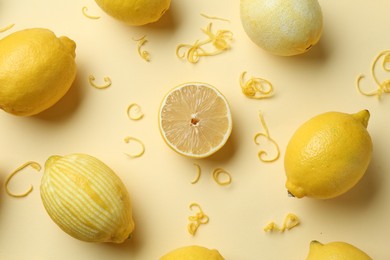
<point x="195" y="119"/>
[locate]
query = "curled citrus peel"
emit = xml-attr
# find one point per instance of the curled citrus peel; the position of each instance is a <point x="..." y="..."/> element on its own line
<point x="107" y="82"/>
<point x="142" y="53"/>
<point x="256" y="88"/>
<point x="134" y="112"/>
<point x="85" y="10"/>
<point x="129" y="139"/>
<point x="214" y="17"/>
<point x="198" y="219"/>
<point x="34" y="165"/>
<point x="198" y="173"/>
<point x="6" y="28"/>
<point x="220" y="40"/>
<point x="384" y="86"/>
<point x="262" y="154"/>
<point x="223" y="182"/>
<point x="290" y="221"/>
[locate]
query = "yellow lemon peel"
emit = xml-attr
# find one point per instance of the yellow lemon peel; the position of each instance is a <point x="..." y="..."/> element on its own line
<point x="214" y="17"/>
<point x="6" y="28"/>
<point x="220" y="40"/>
<point x="216" y="176"/>
<point x="107" y="82"/>
<point x="85" y="10"/>
<point x="129" y="139"/>
<point x="256" y="88"/>
<point x="196" y="220"/>
<point x="34" y="165"/>
<point x="262" y="154"/>
<point x="142" y="53"/>
<point x="198" y="173"/>
<point x="290" y="221"/>
<point x="134" y="112"/>
<point x="383" y="87"/>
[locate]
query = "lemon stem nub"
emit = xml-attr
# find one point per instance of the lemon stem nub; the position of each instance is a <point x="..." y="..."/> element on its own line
<point x="290" y="194"/>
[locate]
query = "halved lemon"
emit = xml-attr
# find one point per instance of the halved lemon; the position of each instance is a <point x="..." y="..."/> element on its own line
<point x="195" y="119"/>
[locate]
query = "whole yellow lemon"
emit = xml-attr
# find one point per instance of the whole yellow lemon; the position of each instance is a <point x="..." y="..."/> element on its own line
<point x="335" y="251"/>
<point x="36" y="70"/>
<point x="328" y="155"/>
<point x="193" y="253"/>
<point x="135" y="12"/>
<point x="282" y="27"/>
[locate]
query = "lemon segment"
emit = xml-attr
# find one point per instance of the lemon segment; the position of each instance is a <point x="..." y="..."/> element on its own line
<point x="193" y="253"/>
<point x="36" y="70"/>
<point x="335" y="251"/>
<point x="328" y="155"/>
<point x="195" y="119"/>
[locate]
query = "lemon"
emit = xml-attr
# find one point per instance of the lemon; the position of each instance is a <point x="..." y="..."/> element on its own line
<point x="193" y="253"/>
<point x="195" y="119"/>
<point x="335" y="251"/>
<point x="86" y="199"/>
<point x="328" y="155"/>
<point x="282" y="27"/>
<point x="135" y="12"/>
<point x="36" y="70"/>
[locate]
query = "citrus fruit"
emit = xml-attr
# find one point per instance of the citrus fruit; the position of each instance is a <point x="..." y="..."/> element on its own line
<point x="328" y="155"/>
<point x="135" y="12"/>
<point x="193" y="253"/>
<point x="335" y="251"/>
<point x="282" y="27"/>
<point x="36" y="70"/>
<point x="195" y="119"/>
<point x="86" y="199"/>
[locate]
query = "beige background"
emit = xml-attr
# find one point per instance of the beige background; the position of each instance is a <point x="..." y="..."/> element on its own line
<point x="94" y="121"/>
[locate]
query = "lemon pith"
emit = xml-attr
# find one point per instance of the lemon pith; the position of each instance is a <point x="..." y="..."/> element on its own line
<point x="328" y="155"/>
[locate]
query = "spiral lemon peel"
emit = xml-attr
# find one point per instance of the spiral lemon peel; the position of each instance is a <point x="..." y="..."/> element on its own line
<point x="262" y="154"/>
<point x="142" y="53"/>
<point x="214" y="17"/>
<point x="6" y="28"/>
<point x="290" y="221"/>
<point x="256" y="88"/>
<point x="134" y="112"/>
<point x="198" y="173"/>
<point x="196" y="220"/>
<point x="34" y="165"/>
<point x="384" y="86"/>
<point x="220" y="40"/>
<point x="216" y="176"/>
<point x="84" y="10"/>
<point x="129" y="139"/>
<point x="107" y="82"/>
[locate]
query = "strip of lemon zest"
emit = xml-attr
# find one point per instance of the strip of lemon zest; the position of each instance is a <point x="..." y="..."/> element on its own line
<point x="34" y="165"/>
<point x="134" y="111"/>
<point x="256" y="88"/>
<point x="263" y="153"/>
<point x="214" y="17"/>
<point x="271" y="227"/>
<point x="142" y="53"/>
<point x="107" y="80"/>
<point x="290" y="221"/>
<point x="128" y="139"/>
<point x="198" y="173"/>
<point x="85" y="10"/>
<point x="196" y="220"/>
<point x="217" y="172"/>
<point x="7" y="28"/>
<point x="383" y="87"/>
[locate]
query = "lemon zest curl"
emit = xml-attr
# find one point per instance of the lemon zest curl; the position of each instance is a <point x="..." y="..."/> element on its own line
<point x="107" y="80"/>
<point x="85" y="10"/>
<point x="196" y="220"/>
<point x="214" y="17"/>
<point x="217" y="172"/>
<point x="262" y="153"/>
<point x="290" y="221"/>
<point x="134" y="112"/>
<point x="142" y="53"/>
<point x="256" y="88"/>
<point x="129" y="139"/>
<point x="34" y="165"/>
<point x="198" y="173"/>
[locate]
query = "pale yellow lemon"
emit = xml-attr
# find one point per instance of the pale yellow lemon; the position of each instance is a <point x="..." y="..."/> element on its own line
<point x="282" y="27"/>
<point x="195" y="119"/>
<point x="193" y="253"/>
<point x="135" y="12"/>
<point x="36" y="70"/>
<point x="328" y="155"/>
<point x="86" y="199"/>
<point x="335" y="251"/>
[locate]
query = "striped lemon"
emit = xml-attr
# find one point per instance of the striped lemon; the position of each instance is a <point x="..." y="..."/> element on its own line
<point x="86" y="199"/>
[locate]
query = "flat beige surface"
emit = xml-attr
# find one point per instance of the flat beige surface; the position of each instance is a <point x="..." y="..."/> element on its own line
<point x="94" y="121"/>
